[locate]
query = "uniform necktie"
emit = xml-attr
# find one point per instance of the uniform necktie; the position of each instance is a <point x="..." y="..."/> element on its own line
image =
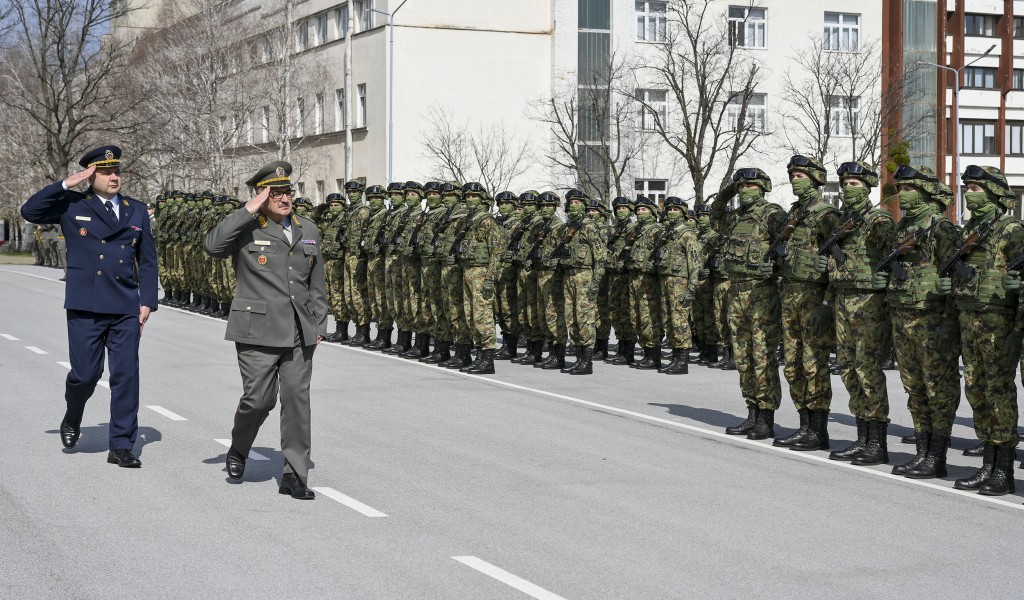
<point x="110" y="211"/>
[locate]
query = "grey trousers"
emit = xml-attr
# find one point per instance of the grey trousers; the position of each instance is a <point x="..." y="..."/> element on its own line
<point x="266" y="370"/>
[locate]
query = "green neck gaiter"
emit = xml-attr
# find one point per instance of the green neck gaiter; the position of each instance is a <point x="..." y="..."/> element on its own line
<point x="914" y="205"/>
<point x="376" y="203"/>
<point x="645" y="216"/>
<point x="505" y="209"/>
<point x="575" y="212"/>
<point x="450" y="201"/>
<point x="802" y="186"/>
<point x="355" y="198"/>
<point x="674" y="216"/>
<point x="748" y="196"/>
<point x="855" y="198"/>
<point x="547" y="211"/>
<point x="979" y="204"/>
<point x="529" y="210"/>
<point x="622" y="215"/>
<point x="433" y="201"/>
<point x="473" y="202"/>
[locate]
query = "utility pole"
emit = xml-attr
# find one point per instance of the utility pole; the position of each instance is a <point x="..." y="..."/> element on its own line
<point x="285" y="125"/>
<point x="347" y="93"/>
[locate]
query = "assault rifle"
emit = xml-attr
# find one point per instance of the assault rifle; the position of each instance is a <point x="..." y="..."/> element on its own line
<point x="778" y="249"/>
<point x="457" y="247"/>
<point x="831" y="246"/>
<point x="534" y="253"/>
<point x="627" y="248"/>
<point x="515" y="241"/>
<point x="663" y="241"/>
<point x="891" y="261"/>
<point x="562" y="251"/>
<point x="414" y="239"/>
<point x="956" y="262"/>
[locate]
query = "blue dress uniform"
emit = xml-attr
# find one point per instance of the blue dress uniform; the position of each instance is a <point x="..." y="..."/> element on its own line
<point x="112" y="272"/>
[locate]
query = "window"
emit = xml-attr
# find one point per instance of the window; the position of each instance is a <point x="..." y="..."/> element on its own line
<point x="1018" y="28"/>
<point x="301" y="36"/>
<point x="842" y="115"/>
<point x="361" y="115"/>
<point x="339" y="185"/>
<point x="341" y="21"/>
<point x="652" y="188"/>
<point x="318" y="114"/>
<point x="320" y="190"/>
<point x="1018" y="79"/>
<point x="980" y="25"/>
<point x="978" y="138"/>
<point x="248" y="128"/>
<point x="265" y="123"/>
<point x="320" y="29"/>
<point x="339" y="110"/>
<point x="830" y="193"/>
<point x="842" y="32"/>
<point x="300" y="116"/>
<point x="653" y="108"/>
<point x="266" y="50"/>
<point x="364" y="14"/>
<point x="651" y="24"/>
<point x="301" y="188"/>
<point x="983" y="78"/>
<point x="756" y="109"/>
<point x="748" y="27"/>
<point x="1015" y="138"/>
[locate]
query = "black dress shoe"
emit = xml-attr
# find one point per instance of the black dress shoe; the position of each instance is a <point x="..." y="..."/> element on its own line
<point x="236" y="464"/>
<point x="291" y="485"/>
<point x="69" y="433"/>
<point x="123" y="457"/>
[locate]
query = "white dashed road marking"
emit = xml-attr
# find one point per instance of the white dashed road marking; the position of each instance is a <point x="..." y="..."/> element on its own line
<point x="66" y="365"/>
<point x="163" y="411"/>
<point x="352" y="503"/>
<point x="252" y="455"/>
<point x="8" y="336"/>
<point x="507" y="578"/>
<point x="36" y="350"/>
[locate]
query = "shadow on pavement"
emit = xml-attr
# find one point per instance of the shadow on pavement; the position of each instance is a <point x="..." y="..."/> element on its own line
<point x="96" y="439"/>
<point x="256" y="470"/>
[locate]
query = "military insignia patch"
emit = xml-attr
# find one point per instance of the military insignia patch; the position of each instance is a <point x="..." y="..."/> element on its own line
<point x="109" y="155"/>
<point x="296" y="220"/>
<point x="262" y="221"/>
<point x="313" y="242"/>
<point x="262" y="259"/>
<point x="82" y="232"/>
<point x="124" y="202"/>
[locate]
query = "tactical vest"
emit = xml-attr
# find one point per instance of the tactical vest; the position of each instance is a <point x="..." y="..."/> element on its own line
<point x="747" y="240"/>
<point x="711" y="248"/>
<point x="373" y="241"/>
<point x="354" y="230"/>
<point x="920" y="288"/>
<point x="675" y="259"/>
<point x="511" y="225"/>
<point x="479" y="238"/>
<point x="801" y="262"/>
<point x="331" y="249"/>
<point x="403" y="245"/>
<point x="451" y="231"/>
<point x="534" y="228"/>
<point x="617" y="244"/>
<point x="578" y="253"/>
<point x="857" y="271"/>
<point x="643" y="249"/>
<point x="425" y="241"/>
<point x="985" y="290"/>
<point x="549" y="243"/>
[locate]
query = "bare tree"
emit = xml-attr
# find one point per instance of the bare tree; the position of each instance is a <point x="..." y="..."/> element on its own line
<point x="489" y="154"/>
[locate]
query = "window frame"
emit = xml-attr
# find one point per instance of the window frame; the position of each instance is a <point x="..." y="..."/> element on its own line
<point x="318" y="113"/>
<point x="746" y="21"/>
<point x="759" y="121"/>
<point x="985" y="18"/>
<point x="1018" y="126"/>
<point x="300" y="117"/>
<point x="659" y="106"/>
<point x="839" y="115"/>
<point x="656" y="195"/>
<point x="839" y="28"/>
<point x="265" y="123"/>
<point x="653" y="24"/>
<point x="361" y="105"/>
<point x="973" y="124"/>
<point x="339" y="109"/>
<point x="971" y="74"/>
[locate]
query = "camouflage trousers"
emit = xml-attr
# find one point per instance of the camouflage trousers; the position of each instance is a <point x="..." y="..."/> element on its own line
<point x="455" y="312"/>
<point x="506" y="306"/>
<point x="703" y="313"/>
<point x="929" y="366"/>
<point x="990" y="375"/>
<point x="376" y="292"/>
<point x="805" y="349"/>
<point x="674" y="315"/>
<point x="478" y="306"/>
<point x="230" y="282"/>
<point x="580" y="308"/>
<point x="334" y="271"/>
<point x="162" y="267"/>
<point x="863" y="338"/>
<point x="755" y="330"/>
<point x="619" y="313"/>
<point x="645" y="308"/>
<point x="526" y="292"/>
<point x="550" y="308"/>
<point x="430" y="298"/>
<point x="178" y="268"/>
<point x="721" y="307"/>
<point x="604" y="321"/>
<point x="410" y="299"/>
<point x="393" y="287"/>
<point x="355" y="290"/>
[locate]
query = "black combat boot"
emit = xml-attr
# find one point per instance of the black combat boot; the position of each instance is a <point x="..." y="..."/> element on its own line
<point x="978" y="450"/>
<point x="204" y="305"/>
<point x="474" y="362"/>
<point x="856" y="447"/>
<point x="378" y="342"/>
<point x="934" y="464"/>
<point x="197" y="302"/>
<point x="636" y="363"/>
<point x="764" y="427"/>
<point x="817" y="433"/>
<point x="890" y="365"/>
<point x="624" y="353"/>
<point x="533" y="354"/>
<point x="909" y="439"/>
<point x="600" y="350"/>
<point x="508" y="349"/>
<point x="728" y="362"/>
<point x="555" y="359"/>
<point x="567" y="367"/>
<point x="584" y="362"/>
<point x="397" y="347"/>
<point x="1001" y="481"/>
<point x="711" y="356"/>
<point x="166" y="299"/>
<point x="975" y="481"/>
<point x="442" y="353"/>
<point x="362" y="336"/>
<point x="218" y="310"/>
<point x="462" y="357"/>
<point x="225" y="308"/>
<point x="921" y="440"/>
<point x="876" y="452"/>
<point x="799" y="434"/>
<point x="422" y="347"/>
<point x="340" y="335"/>
<point x="745" y="425"/>
<point x="484" y="365"/>
<point x="678" y="366"/>
<point x="652" y="360"/>
<point x="570" y="350"/>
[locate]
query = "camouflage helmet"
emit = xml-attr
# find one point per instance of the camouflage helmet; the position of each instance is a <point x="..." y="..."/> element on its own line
<point x="858" y="170"/>
<point x="677" y="202"/>
<point x="528" y="197"/>
<point x="396" y="187"/>
<point x="334" y="198"/>
<point x="354" y="185"/>
<point x="622" y="201"/>
<point x="451" y="189"/>
<point x="921" y="178"/>
<point x="576" y="193"/>
<point x="647" y="202"/>
<point x="992" y="181"/>
<point x="375" y="191"/>
<point x="432" y="187"/>
<point x="809" y="166"/>
<point x="548" y="198"/>
<point x="414" y="186"/>
<point x="599" y="206"/>
<point x="703" y="209"/>
<point x="506" y="197"/>
<point x="474" y="188"/>
<point x="755" y="176"/>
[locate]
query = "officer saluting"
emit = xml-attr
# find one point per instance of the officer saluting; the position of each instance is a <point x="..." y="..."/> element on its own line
<point x="278" y="316"/>
<point x="110" y="292"/>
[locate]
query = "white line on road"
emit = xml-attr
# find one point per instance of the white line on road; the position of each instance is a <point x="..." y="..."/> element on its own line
<point x="66" y="365"/>
<point x="31" y="275"/>
<point x="352" y="503"/>
<point x="163" y="411"/>
<point x="252" y="455"/>
<point x="8" y="336"/>
<point x="507" y="578"/>
<point x="36" y="350"/>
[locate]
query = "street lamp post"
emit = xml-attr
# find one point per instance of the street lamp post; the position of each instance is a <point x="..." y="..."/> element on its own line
<point x="959" y="133"/>
<point x="391" y="81"/>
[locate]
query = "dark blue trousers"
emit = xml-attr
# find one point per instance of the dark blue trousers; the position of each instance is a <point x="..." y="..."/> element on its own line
<point x="89" y="334"/>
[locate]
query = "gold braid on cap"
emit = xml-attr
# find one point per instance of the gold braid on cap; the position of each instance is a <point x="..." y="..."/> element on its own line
<point x="267" y="182"/>
<point x="99" y="164"/>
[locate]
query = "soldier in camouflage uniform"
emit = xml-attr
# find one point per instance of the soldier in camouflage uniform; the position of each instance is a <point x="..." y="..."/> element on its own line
<point x="599" y="213"/>
<point x="582" y="254"/>
<point x="644" y="289"/>
<point x="678" y="261"/>
<point x="531" y="236"/>
<point x="197" y="258"/>
<point x="452" y="280"/>
<point x="410" y="296"/>
<point x="704" y="298"/>
<point x="375" y="245"/>
<point x="550" y="309"/>
<point x="355" y="263"/>
<point x="423" y="242"/>
<point x="162" y="246"/>
<point x="806" y="315"/>
<point x="392" y="273"/>
<point x="330" y="223"/>
<point x="753" y="302"/>
<point x="986" y="296"/>
<point x="506" y="309"/>
<point x="926" y="339"/>
<point x="303" y="207"/>
<point x="444" y="331"/>
<point x="620" y="244"/>
<point x="863" y="236"/>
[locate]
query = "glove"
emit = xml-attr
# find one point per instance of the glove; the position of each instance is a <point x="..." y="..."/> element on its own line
<point x="487" y="289"/>
<point x="767" y="269"/>
<point x="450" y="260"/>
<point x="507" y="256"/>
<point x="686" y="300"/>
<point x="945" y="286"/>
<point x="947" y="337"/>
<point x="648" y="266"/>
<point x="880" y="281"/>
<point x="705" y="272"/>
<point x="822" y="264"/>
<point x="551" y="263"/>
<point x="593" y="289"/>
<point x="1011" y="347"/>
<point x="820" y="320"/>
<point x="1011" y="281"/>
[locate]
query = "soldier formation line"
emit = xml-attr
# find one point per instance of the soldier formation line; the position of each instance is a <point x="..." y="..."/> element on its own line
<point x="449" y="265"/>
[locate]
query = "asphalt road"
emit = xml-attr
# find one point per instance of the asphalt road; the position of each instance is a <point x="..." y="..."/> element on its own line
<point x="435" y="484"/>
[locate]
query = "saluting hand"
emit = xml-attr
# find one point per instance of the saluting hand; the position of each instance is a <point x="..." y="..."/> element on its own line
<point x="258" y="201"/>
<point x="78" y="178"/>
